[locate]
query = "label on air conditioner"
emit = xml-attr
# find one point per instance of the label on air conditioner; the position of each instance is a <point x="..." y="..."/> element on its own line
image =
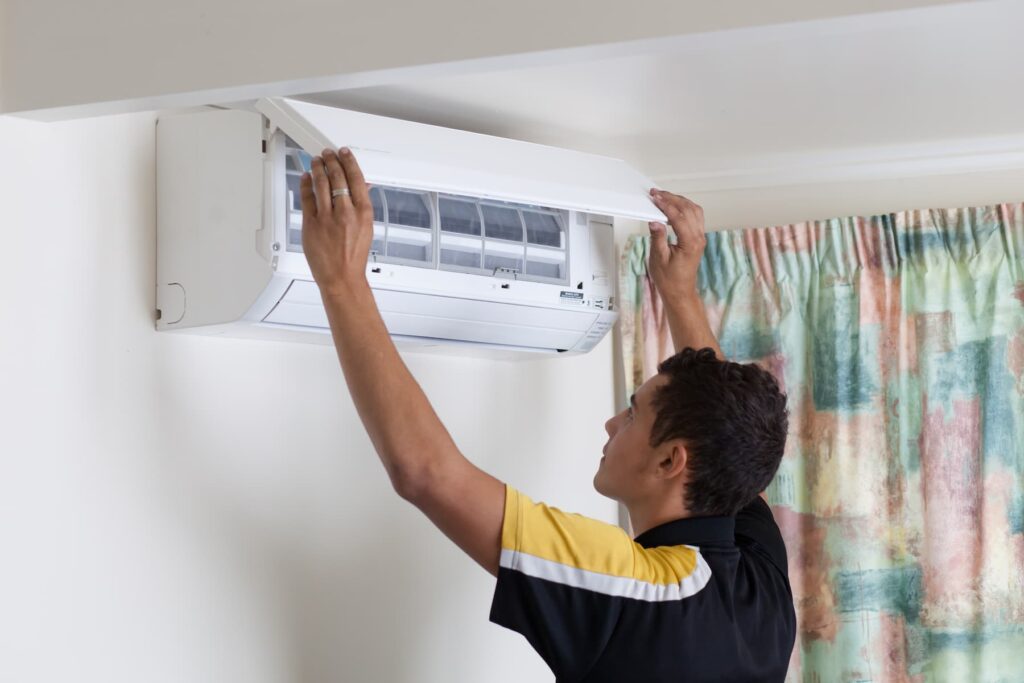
<point x="570" y="297"/>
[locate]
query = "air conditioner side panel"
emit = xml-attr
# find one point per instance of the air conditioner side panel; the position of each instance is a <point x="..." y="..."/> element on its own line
<point x="599" y="256"/>
<point x="210" y="181"/>
<point x="602" y="261"/>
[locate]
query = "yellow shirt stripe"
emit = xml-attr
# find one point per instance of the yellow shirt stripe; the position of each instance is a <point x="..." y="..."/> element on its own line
<point x="589" y="545"/>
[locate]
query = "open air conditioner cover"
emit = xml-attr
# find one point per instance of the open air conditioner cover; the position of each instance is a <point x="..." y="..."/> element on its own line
<point x="399" y="153"/>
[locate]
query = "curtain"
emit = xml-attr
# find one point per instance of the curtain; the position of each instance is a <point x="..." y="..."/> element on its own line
<point x="899" y="340"/>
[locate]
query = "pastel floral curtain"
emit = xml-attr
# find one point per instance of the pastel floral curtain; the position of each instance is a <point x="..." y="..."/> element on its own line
<point x="900" y="341"/>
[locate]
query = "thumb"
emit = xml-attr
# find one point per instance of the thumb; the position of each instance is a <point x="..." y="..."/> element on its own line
<point x="659" y="240"/>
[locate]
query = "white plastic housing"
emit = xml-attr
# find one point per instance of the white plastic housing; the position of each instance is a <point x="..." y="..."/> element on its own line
<point x="229" y="258"/>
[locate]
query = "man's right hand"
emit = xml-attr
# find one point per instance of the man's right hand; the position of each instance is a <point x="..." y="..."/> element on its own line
<point x="673" y="267"/>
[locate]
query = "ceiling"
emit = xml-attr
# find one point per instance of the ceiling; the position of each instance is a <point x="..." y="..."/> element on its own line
<point x="941" y="80"/>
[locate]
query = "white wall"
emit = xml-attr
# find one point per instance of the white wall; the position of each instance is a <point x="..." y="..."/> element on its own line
<point x="763" y="206"/>
<point x="178" y="508"/>
<point x="758" y="207"/>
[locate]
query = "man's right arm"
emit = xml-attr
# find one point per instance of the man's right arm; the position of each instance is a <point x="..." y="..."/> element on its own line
<point x="688" y="322"/>
<point x="673" y="267"/>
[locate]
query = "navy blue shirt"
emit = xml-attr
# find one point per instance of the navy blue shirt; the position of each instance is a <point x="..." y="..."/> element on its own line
<point x="698" y="599"/>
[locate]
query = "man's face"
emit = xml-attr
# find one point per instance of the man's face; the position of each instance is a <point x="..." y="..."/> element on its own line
<point x="626" y="470"/>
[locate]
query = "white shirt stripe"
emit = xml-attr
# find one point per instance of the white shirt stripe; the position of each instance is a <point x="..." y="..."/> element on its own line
<point x="616" y="586"/>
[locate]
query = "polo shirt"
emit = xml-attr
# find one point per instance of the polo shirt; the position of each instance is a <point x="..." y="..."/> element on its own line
<point x="697" y="599"/>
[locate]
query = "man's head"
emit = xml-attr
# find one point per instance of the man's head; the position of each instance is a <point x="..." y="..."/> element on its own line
<point x="708" y="430"/>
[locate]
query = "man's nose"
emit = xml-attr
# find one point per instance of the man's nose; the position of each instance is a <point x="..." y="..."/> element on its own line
<point x="609" y="426"/>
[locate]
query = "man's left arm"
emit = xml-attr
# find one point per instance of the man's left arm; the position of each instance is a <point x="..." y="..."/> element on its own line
<point x="424" y="464"/>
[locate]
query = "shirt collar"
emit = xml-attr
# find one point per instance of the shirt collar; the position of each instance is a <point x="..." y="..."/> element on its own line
<point x="698" y="531"/>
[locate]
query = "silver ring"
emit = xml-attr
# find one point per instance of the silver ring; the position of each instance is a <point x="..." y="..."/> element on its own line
<point x="337" y="193"/>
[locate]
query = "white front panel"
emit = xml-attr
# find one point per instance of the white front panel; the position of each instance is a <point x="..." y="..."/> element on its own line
<point x="440" y="317"/>
<point x="415" y="155"/>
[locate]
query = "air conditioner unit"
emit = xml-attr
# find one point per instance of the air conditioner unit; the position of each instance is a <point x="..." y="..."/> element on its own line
<point x="480" y="243"/>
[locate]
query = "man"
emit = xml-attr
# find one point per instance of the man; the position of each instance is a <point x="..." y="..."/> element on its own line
<point x="702" y="593"/>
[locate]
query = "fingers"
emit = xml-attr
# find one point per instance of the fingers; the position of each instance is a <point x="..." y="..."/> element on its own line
<point x="674" y="202"/>
<point x="356" y="182"/>
<point x="322" y="186"/>
<point x="337" y="177"/>
<point x="673" y="205"/>
<point x="659" y="239"/>
<point x="685" y="217"/>
<point x="670" y="209"/>
<point x="308" y="197"/>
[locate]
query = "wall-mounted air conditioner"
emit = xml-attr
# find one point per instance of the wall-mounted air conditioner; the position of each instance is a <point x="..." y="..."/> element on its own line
<point x="480" y="243"/>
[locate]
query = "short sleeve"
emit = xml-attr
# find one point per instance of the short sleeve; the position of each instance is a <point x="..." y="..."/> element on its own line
<point x="755" y="526"/>
<point x="563" y="578"/>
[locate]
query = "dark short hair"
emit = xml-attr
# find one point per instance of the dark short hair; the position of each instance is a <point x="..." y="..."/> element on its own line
<point x="732" y="419"/>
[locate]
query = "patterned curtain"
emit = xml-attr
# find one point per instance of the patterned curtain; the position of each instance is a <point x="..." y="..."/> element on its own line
<point x="900" y="342"/>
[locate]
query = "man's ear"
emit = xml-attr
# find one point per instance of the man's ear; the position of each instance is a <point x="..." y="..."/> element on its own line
<point x="673" y="460"/>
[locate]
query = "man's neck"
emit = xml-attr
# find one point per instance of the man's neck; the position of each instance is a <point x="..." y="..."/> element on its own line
<point x="643" y="519"/>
